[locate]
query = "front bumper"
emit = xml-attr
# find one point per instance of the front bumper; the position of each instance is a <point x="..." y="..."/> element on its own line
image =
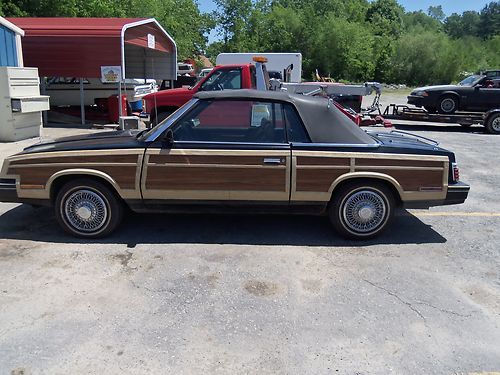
<point x="457" y="194"/>
<point x="418" y="101"/>
<point x="8" y="192"/>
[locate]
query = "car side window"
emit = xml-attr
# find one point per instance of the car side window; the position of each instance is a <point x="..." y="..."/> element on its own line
<point x="294" y="127"/>
<point x="240" y="121"/>
<point x="223" y="79"/>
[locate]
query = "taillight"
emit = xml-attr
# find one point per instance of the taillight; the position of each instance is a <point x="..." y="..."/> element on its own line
<point x="456" y="172"/>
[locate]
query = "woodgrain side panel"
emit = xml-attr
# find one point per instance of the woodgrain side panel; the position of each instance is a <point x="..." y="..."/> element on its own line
<point x="206" y="178"/>
<point x="415" y="177"/>
<point x="312" y="160"/>
<point x="413" y="180"/>
<point x="39" y="175"/>
<point x="318" y="180"/>
<point x="398" y="163"/>
<point x="207" y="159"/>
<point x="82" y="159"/>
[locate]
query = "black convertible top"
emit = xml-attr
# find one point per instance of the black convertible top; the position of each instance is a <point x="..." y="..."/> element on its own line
<point x="325" y="123"/>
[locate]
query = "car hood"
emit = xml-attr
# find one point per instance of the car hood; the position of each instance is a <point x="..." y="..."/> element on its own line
<point x="436" y="88"/>
<point x="168" y="93"/>
<point x="122" y="139"/>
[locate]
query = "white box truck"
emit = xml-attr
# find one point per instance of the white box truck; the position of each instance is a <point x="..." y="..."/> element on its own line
<point x="276" y="63"/>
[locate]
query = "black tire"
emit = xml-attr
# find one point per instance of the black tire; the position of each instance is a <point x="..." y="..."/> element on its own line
<point x="157" y="118"/>
<point x="377" y="201"/>
<point x="493" y="124"/>
<point x="448" y="104"/>
<point x="430" y="109"/>
<point x="88" y="209"/>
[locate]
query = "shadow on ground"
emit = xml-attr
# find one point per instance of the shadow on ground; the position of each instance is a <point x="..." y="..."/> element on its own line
<point x="26" y="223"/>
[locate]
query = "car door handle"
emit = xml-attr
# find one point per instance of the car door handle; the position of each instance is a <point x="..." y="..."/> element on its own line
<point x="273" y="161"/>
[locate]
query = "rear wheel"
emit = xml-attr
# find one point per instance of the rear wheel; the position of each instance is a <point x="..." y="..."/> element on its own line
<point x="448" y="104"/>
<point x="361" y="210"/>
<point x="87" y="208"/>
<point x="493" y="124"/>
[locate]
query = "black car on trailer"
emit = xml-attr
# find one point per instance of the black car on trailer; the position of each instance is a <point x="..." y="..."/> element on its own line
<point x="478" y="93"/>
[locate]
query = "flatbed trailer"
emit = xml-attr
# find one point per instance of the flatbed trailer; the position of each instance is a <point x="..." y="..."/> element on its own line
<point x="490" y="120"/>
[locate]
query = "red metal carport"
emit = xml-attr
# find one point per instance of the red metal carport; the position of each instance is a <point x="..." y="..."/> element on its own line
<point x="78" y="47"/>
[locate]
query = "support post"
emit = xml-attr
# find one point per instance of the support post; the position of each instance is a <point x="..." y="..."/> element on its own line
<point x="43" y="86"/>
<point x="120" y="114"/>
<point x="82" y="102"/>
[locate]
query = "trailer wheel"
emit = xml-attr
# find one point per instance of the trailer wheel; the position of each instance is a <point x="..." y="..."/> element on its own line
<point x="493" y="124"/>
<point x="448" y="104"/>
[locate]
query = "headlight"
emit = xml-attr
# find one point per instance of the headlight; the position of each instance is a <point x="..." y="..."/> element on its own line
<point x="420" y="93"/>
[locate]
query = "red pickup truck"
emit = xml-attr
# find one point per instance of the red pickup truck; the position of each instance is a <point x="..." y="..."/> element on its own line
<point x="225" y="77"/>
<point x="162" y="104"/>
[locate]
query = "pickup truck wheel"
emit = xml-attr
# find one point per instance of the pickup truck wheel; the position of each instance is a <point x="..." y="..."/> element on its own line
<point x="493" y="124"/>
<point x="157" y="118"/>
<point x="88" y="209"/>
<point x="448" y="104"/>
<point x="361" y="210"/>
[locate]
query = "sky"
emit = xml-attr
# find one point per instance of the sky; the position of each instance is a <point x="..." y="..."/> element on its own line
<point x="449" y="6"/>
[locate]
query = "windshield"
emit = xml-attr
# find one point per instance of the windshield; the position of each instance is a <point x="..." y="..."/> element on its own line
<point x="471" y="80"/>
<point x="155" y="131"/>
<point x="223" y="79"/>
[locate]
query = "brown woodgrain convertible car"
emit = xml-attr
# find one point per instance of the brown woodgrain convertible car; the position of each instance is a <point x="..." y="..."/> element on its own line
<point x="239" y="150"/>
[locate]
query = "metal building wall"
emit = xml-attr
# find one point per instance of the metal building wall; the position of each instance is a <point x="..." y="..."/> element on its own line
<point x="8" y="50"/>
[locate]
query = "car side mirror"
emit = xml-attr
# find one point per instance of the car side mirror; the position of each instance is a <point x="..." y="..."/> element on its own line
<point x="169" y="137"/>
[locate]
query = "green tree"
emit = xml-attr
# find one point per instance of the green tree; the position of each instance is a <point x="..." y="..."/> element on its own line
<point x="232" y="17"/>
<point x="453" y="26"/>
<point x="436" y="12"/>
<point x="386" y="17"/>
<point x="424" y="57"/>
<point x="467" y="24"/>
<point x="490" y="20"/>
<point x="343" y="50"/>
<point x="419" y="18"/>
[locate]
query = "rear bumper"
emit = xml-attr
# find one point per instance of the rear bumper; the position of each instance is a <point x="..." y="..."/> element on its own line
<point x="457" y="194"/>
<point x="8" y="192"/>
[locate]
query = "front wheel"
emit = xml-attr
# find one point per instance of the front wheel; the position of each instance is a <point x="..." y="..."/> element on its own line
<point x="87" y="208"/>
<point x="448" y="104"/>
<point x="361" y="210"/>
<point x="493" y="124"/>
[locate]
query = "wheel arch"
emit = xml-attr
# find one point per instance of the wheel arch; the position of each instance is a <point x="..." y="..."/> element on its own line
<point x="450" y="93"/>
<point x="387" y="180"/>
<point x="58" y="179"/>
<point x="490" y="113"/>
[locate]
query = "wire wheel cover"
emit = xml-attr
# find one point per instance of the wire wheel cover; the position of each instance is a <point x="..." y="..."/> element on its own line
<point x="364" y="211"/>
<point x="86" y="211"/>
